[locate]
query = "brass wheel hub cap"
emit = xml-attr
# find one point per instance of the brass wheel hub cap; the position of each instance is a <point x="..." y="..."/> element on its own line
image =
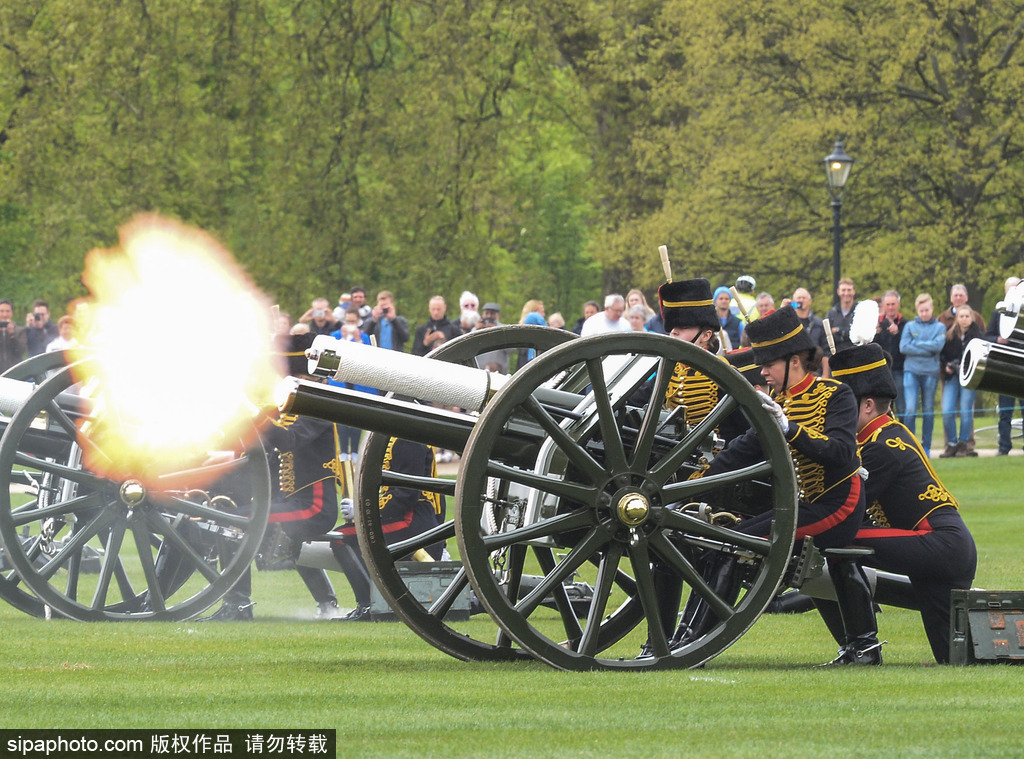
<point x="132" y="493"/>
<point x="633" y="509"/>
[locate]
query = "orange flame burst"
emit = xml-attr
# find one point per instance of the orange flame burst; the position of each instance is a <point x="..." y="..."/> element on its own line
<point x="180" y="340"/>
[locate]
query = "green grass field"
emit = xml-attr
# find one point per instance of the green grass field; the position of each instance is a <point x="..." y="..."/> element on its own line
<point x="387" y="693"/>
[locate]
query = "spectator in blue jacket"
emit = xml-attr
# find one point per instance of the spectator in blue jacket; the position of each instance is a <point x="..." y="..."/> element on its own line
<point x="920" y="344"/>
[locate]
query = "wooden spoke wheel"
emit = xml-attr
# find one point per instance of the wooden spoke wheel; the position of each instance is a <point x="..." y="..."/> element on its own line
<point x="33" y="371"/>
<point x="610" y="499"/>
<point x="94" y="547"/>
<point x="36" y="368"/>
<point x="478" y="639"/>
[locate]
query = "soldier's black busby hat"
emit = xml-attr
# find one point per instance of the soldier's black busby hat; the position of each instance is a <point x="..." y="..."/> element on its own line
<point x="865" y="368"/>
<point x="778" y="335"/>
<point x="295" y="353"/>
<point x="742" y="360"/>
<point x="688" y="303"/>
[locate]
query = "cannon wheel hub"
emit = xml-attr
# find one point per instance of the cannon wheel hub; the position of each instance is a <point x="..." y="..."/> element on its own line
<point x="132" y="493"/>
<point x="633" y="509"/>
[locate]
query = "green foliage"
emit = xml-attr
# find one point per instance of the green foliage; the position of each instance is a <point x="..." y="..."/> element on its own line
<point x="927" y="98"/>
<point x="520" y="150"/>
<point x="327" y="146"/>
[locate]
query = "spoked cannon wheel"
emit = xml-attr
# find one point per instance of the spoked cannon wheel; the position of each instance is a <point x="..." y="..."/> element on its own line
<point x="36" y="368"/>
<point x="32" y="371"/>
<point x="478" y="640"/>
<point x="163" y="547"/>
<point x="610" y="495"/>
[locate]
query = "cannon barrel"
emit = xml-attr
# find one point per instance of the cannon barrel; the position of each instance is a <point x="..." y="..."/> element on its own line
<point x="429" y="425"/>
<point x="376" y="413"/>
<point x="427" y="379"/>
<point x="994" y="367"/>
<point x="13" y="393"/>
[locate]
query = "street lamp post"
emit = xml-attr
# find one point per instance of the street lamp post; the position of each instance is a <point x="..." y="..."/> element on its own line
<point x="837" y="169"/>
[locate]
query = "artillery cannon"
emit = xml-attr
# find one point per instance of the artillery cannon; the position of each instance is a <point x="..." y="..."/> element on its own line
<point x="999" y="367"/>
<point x="562" y="473"/>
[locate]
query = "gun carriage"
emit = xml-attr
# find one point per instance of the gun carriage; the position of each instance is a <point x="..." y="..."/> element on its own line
<point x="159" y="541"/>
<point x="567" y="469"/>
<point x="562" y="473"/>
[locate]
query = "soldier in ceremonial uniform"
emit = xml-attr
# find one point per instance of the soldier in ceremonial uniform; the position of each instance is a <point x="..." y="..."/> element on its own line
<point x="404" y="513"/>
<point x="913" y="521"/>
<point x="819" y="420"/>
<point x="688" y="312"/>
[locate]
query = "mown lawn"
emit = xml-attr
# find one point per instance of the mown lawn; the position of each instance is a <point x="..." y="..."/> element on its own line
<point x="387" y="693"/>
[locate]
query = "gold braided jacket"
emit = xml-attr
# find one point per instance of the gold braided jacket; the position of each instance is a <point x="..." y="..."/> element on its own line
<point x="807" y="405"/>
<point x="697" y="392"/>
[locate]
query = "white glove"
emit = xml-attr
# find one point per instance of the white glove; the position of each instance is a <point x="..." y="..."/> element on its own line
<point x="773" y="408"/>
<point x="348" y="510"/>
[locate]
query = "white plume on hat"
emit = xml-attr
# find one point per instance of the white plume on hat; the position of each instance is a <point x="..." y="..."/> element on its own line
<point x="865" y="322"/>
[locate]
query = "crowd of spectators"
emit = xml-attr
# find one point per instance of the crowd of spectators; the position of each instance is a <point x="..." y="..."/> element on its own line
<point x="925" y="347"/>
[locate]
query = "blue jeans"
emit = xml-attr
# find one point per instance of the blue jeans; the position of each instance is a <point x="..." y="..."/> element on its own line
<point x="956" y="397"/>
<point x="1006" y="405"/>
<point x="919" y="390"/>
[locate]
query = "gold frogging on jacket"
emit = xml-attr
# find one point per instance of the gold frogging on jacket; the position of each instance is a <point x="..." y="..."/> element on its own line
<point x="434" y="499"/>
<point x="692" y="390"/>
<point x="286" y="471"/>
<point x="808" y="410"/>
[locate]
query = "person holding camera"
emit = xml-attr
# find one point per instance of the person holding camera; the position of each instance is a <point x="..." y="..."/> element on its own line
<point x="956" y="397"/>
<point x="39" y="330"/>
<point x="13" y="340"/>
<point x="437" y="330"/>
<point x="320" y="318"/>
<point x="384" y="326"/>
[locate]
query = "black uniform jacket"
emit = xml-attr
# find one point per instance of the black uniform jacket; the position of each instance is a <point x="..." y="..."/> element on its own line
<point x="822" y="437"/>
<point x="902" y="488"/>
<point x="303" y="467"/>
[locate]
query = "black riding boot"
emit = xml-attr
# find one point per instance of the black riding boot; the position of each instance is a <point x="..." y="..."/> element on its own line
<point x="853" y="592"/>
<point x="790" y="602"/>
<point x="721" y="574"/>
<point x="355" y="572"/>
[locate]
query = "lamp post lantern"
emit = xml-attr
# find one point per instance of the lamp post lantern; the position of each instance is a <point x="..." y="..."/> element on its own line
<point x="837" y="169"/>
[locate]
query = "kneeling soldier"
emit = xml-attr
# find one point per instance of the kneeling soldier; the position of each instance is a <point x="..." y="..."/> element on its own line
<point x="913" y="522"/>
<point x="818" y="418"/>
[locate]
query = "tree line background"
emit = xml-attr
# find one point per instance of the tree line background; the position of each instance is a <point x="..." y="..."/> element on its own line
<point x="521" y="150"/>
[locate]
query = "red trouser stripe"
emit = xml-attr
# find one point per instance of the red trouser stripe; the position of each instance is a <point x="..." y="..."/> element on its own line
<point x="892" y="532"/>
<point x="385" y="528"/>
<point x="312" y="510"/>
<point x="837" y="516"/>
